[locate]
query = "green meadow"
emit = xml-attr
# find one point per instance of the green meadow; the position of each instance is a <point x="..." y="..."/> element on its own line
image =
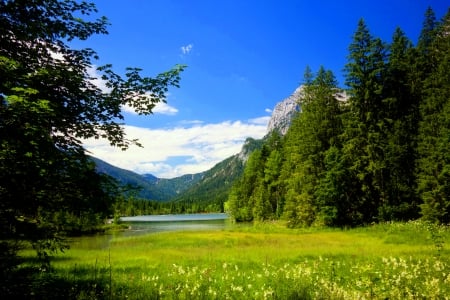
<point x="265" y="261"/>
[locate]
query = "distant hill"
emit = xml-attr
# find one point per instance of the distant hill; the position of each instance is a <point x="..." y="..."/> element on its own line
<point x="173" y="187"/>
<point x="126" y="177"/>
<point x="212" y="190"/>
<point x="151" y="187"/>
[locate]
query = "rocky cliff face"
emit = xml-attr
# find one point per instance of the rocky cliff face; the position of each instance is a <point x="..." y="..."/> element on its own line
<point x="284" y="111"/>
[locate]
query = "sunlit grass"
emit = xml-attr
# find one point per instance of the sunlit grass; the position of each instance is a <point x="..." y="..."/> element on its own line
<point x="267" y="261"/>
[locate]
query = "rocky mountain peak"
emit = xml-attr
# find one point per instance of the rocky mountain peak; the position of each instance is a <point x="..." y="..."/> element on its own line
<point x="284" y="111"/>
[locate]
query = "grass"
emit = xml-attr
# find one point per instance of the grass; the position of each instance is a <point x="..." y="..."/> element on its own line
<point x="266" y="261"/>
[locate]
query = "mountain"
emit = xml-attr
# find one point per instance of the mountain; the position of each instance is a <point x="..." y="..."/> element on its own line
<point x="150" y="187"/>
<point x="173" y="187"/>
<point x="211" y="191"/>
<point x="207" y="190"/>
<point x="150" y="177"/>
<point x="126" y="177"/>
<point x="284" y="111"/>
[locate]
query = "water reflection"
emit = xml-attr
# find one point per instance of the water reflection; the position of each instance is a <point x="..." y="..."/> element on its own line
<point x="136" y="228"/>
<point x="161" y="223"/>
<point x="140" y="225"/>
<point x="176" y="218"/>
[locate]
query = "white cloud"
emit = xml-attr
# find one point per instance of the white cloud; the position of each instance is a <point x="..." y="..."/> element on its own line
<point x="260" y="121"/>
<point x="268" y="110"/>
<point x="191" y="122"/>
<point x="160" y="108"/>
<point x="169" y="153"/>
<point x="186" y="49"/>
<point x="165" y="109"/>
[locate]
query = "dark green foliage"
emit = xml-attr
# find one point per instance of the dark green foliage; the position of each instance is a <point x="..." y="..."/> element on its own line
<point x="336" y="190"/>
<point x="426" y="38"/>
<point x="249" y="198"/>
<point x="81" y="283"/>
<point x="380" y="156"/>
<point x="48" y="103"/>
<point x="434" y="134"/>
<point x="311" y="135"/>
<point x="132" y="206"/>
<point x="400" y="123"/>
<point x="240" y="201"/>
<point x="272" y="180"/>
<point x="282" y="177"/>
<point x="364" y="137"/>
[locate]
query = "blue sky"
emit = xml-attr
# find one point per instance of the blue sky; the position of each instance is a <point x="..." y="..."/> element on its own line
<point x="242" y="56"/>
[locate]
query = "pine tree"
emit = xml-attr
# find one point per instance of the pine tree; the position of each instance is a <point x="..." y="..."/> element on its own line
<point x="364" y="136"/>
<point x="434" y="133"/>
<point x="262" y="209"/>
<point x="336" y="192"/>
<point x="272" y="172"/>
<point x="257" y="195"/>
<point x="308" y="139"/>
<point x="400" y="123"/>
<point x="427" y="35"/>
<point x="241" y="200"/>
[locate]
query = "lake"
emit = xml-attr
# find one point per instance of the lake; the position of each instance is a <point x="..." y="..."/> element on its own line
<point x="153" y="224"/>
<point x="160" y="223"/>
<point x="176" y="218"/>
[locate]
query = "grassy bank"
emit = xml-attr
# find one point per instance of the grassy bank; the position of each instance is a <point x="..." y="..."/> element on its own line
<point x="267" y="261"/>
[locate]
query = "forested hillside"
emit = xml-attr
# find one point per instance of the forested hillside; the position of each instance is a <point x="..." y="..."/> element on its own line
<point x="210" y="193"/>
<point x="381" y="155"/>
<point x="131" y="182"/>
<point x="147" y="186"/>
<point x="201" y="192"/>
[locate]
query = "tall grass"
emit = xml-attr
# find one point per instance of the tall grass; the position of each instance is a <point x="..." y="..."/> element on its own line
<point x="267" y="261"/>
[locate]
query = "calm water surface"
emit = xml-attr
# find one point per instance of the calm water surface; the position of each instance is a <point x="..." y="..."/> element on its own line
<point x="160" y="223"/>
<point x="176" y="218"/>
<point x="153" y="224"/>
